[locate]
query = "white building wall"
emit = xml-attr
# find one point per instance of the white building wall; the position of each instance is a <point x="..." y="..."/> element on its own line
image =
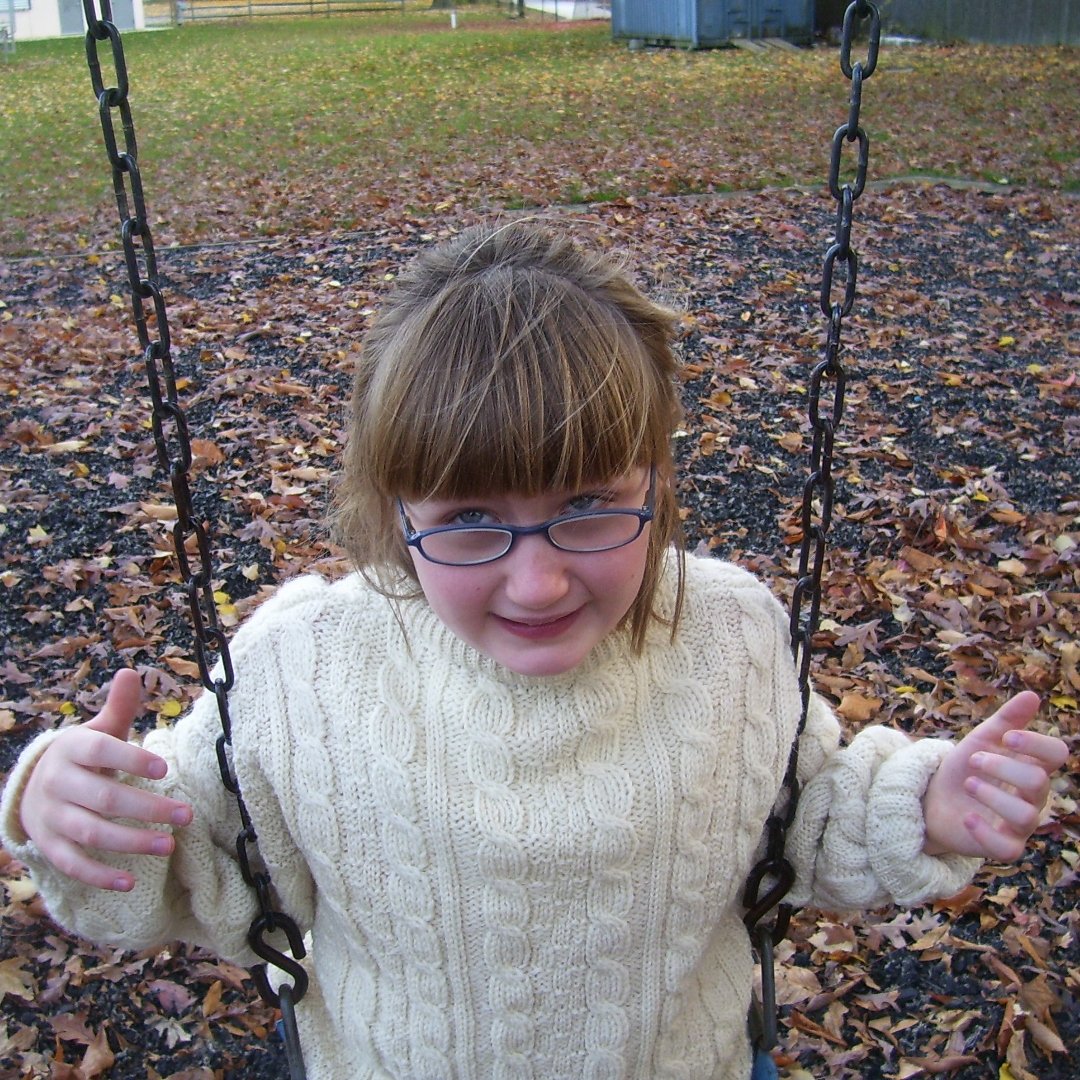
<point x="42" y="18"/>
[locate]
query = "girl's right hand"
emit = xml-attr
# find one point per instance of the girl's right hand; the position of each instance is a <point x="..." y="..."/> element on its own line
<point x="73" y="794"/>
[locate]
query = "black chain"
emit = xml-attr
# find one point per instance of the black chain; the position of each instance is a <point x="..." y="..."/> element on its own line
<point x="774" y="870"/>
<point x="190" y="536"/>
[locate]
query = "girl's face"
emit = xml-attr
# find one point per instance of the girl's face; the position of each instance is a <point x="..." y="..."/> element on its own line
<point x="537" y="610"/>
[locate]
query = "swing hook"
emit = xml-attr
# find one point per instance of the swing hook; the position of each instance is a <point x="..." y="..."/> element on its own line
<point x="783" y="875"/>
<point x="268" y="923"/>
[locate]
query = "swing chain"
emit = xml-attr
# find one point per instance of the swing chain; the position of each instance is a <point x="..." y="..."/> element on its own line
<point x="774" y="871"/>
<point x="190" y="537"/>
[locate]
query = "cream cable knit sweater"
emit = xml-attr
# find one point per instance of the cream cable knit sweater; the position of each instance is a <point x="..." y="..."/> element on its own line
<point x="505" y="876"/>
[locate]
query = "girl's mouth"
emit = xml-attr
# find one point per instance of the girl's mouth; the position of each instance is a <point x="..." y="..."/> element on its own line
<point x="539" y="631"/>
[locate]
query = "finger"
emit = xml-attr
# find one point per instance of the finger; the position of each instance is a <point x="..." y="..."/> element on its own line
<point x="96" y="749"/>
<point x="73" y="862"/>
<point x="114" y="799"/>
<point x="1027" y="777"/>
<point x="991" y="842"/>
<point x="1015" y="714"/>
<point x="91" y="830"/>
<point x="122" y="705"/>
<point x="1050" y="752"/>
<point x="1016" y="812"/>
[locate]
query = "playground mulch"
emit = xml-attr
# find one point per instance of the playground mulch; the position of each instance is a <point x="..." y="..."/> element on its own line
<point x="953" y="578"/>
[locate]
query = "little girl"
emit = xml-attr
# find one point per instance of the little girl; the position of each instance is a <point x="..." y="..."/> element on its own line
<point x="511" y="774"/>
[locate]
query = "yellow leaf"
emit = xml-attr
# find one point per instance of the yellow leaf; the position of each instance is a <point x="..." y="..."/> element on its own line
<point x="1063" y="701"/>
<point x="158" y="511"/>
<point x="1012" y="566"/>
<point x="170" y="707"/>
<point x="36" y="533"/>
<point x="20" y="890"/>
<point x="67" y="709"/>
<point x="212" y="1001"/>
<point x="1005" y="1073"/>
<point x="858" y="707"/>
<point x="980" y="496"/>
<point x="906" y="690"/>
<point x="221" y="597"/>
<point x="1006" y="340"/>
<point x="251" y="571"/>
<point x="1046" y="1037"/>
<point x="14" y="980"/>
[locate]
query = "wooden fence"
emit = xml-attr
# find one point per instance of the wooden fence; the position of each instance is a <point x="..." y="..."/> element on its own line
<point x="177" y="12"/>
<point x="996" y="22"/>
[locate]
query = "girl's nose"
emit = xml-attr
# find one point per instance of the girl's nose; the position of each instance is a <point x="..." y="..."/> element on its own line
<point x="537" y="574"/>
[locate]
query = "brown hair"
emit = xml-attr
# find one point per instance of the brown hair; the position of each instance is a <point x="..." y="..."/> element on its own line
<point x="508" y="360"/>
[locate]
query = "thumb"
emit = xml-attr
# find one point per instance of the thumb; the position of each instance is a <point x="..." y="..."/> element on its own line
<point x="122" y="705"/>
<point x="1016" y="713"/>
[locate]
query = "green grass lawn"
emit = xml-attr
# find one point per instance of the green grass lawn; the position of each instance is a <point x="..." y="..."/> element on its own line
<point x="262" y="126"/>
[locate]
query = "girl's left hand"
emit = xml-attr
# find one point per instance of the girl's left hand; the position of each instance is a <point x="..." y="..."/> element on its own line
<point x="988" y="795"/>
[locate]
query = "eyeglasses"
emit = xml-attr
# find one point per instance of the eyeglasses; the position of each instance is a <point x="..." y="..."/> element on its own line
<point x="473" y="545"/>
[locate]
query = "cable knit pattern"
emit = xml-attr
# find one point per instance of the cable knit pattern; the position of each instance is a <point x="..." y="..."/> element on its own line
<point x="504" y="868"/>
<point x="392" y="743"/>
<point x="507" y="876"/>
<point x="608" y="797"/>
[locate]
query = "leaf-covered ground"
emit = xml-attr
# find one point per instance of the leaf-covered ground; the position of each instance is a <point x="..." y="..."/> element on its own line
<point x="954" y="578"/>
<point x="282" y="127"/>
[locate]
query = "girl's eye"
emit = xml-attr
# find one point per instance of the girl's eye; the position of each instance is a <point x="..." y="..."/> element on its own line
<point x="586" y="501"/>
<point x="468" y="517"/>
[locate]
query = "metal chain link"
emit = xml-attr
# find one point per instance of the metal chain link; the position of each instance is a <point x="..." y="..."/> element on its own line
<point x="190" y="536"/>
<point x="774" y="871"/>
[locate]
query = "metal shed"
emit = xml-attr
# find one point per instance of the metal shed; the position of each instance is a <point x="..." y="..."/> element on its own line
<point x="705" y="24"/>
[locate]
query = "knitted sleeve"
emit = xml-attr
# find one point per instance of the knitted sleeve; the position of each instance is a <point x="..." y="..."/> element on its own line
<point x="197" y="895"/>
<point x="857" y="839"/>
<point x="858" y="834"/>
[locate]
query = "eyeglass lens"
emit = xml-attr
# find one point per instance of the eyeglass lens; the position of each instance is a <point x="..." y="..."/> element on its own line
<point x="600" y="532"/>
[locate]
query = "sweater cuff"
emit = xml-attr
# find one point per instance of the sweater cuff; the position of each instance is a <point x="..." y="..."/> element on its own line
<point x="896" y="829"/>
<point x="12" y="836"/>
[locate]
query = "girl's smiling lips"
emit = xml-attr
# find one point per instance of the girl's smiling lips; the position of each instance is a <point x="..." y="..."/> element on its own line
<point x="536" y="631"/>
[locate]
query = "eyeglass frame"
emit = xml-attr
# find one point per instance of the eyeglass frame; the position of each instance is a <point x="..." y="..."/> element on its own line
<point x="647" y="513"/>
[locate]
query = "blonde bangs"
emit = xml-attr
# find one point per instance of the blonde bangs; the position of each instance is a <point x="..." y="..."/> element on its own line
<point x="539" y="388"/>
